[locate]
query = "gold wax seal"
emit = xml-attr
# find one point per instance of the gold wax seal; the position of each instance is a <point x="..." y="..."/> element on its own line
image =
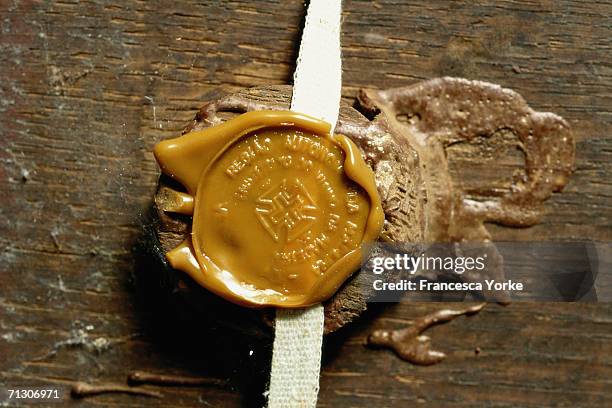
<point x="280" y="208"/>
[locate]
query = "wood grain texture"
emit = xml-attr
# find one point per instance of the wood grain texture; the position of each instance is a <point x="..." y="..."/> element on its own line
<point x="89" y="87"/>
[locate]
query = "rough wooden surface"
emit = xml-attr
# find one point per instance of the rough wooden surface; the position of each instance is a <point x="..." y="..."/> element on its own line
<point x="88" y="88"/>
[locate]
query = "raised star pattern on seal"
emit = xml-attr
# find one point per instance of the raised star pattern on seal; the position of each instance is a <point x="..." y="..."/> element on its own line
<point x="286" y="210"/>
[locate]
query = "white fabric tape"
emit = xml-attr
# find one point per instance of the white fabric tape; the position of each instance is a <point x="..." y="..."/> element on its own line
<point x="296" y="355"/>
<point x="296" y="358"/>
<point x="317" y="80"/>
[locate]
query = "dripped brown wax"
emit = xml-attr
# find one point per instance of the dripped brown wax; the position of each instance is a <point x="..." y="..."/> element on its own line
<point x="435" y="114"/>
<point x="409" y="343"/>
<point x="448" y="111"/>
<point x="280" y="208"/>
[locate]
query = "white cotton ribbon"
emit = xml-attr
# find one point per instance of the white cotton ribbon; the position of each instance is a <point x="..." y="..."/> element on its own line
<point x="296" y="355"/>
<point x="317" y="80"/>
<point x="296" y="358"/>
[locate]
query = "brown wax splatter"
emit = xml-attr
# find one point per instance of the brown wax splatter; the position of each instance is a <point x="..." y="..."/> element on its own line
<point x="436" y="114"/>
<point x="433" y="115"/>
<point x="83" y="390"/>
<point x="141" y="377"/>
<point x="409" y="343"/>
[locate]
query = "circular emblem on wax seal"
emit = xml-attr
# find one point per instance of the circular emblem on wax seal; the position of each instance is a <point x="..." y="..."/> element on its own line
<point x="281" y="208"/>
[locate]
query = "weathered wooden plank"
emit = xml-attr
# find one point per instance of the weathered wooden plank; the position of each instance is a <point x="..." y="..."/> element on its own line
<point x="88" y="88"/>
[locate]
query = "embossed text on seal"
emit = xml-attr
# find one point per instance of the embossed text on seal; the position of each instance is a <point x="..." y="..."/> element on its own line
<point x="280" y="211"/>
